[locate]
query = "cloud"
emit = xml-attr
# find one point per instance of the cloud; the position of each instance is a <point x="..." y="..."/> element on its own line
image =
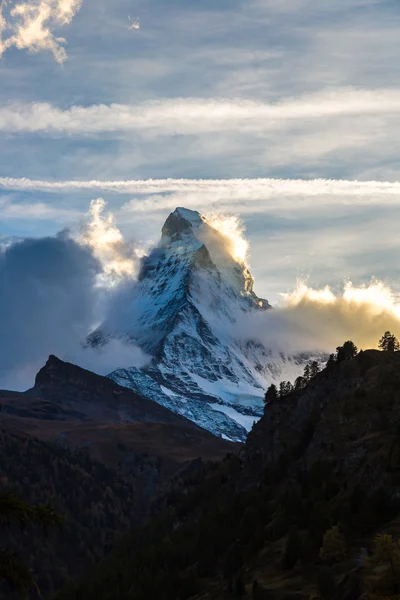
<point x="46" y="300"/>
<point x="242" y="194"/>
<point x="328" y="230"/>
<point x="233" y="230"/>
<point x="34" y="211"/>
<point x="311" y="47"/>
<point x="187" y="116"/>
<point x="29" y="25"/>
<point x="53" y="292"/>
<point x="119" y="258"/>
<point x="318" y="320"/>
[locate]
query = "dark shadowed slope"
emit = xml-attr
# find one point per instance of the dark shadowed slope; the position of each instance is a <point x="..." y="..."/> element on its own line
<point x="324" y="456"/>
<point x="77" y="408"/>
<point x="98" y="453"/>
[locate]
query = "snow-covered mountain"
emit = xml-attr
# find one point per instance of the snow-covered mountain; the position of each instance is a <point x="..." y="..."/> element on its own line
<point x="184" y="312"/>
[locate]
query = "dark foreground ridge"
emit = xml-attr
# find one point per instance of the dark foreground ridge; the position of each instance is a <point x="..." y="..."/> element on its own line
<point x="76" y="408"/>
<point x="292" y="517"/>
<point x="98" y="453"/>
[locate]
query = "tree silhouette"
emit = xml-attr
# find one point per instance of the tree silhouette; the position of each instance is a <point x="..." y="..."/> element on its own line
<point x="300" y="383"/>
<point x="314" y="368"/>
<point x="307" y="373"/>
<point x="331" y="361"/>
<point x="285" y="388"/>
<point x="271" y="394"/>
<point x="346" y="352"/>
<point x="389" y="342"/>
<point x="17" y="512"/>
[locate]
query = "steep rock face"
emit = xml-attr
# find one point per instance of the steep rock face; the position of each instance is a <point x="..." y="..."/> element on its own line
<point x="184" y="312"/>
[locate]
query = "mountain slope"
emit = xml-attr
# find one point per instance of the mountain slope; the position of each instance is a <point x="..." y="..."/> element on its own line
<point x="77" y="408"/>
<point x="98" y="453"/>
<point x="326" y="455"/>
<point x="185" y="311"/>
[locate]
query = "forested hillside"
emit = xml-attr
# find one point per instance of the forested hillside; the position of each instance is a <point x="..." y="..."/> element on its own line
<point x="294" y="516"/>
<point x="98" y="454"/>
<point x="96" y="502"/>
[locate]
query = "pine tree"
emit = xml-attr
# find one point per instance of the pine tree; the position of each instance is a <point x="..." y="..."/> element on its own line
<point x="389" y="343"/>
<point x="285" y="388"/>
<point x="300" y="383"/>
<point x="314" y="369"/>
<point x="331" y="361"/>
<point x="333" y="546"/>
<point x="307" y="373"/>
<point x="16" y="512"/>
<point x="271" y="395"/>
<point x="346" y="352"/>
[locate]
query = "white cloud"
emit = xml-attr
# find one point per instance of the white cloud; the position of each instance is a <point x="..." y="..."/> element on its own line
<point x="36" y="211"/>
<point x="242" y="194"/>
<point x="119" y="259"/>
<point x="30" y="25"/>
<point x="186" y="116"/>
<point x="345" y="131"/>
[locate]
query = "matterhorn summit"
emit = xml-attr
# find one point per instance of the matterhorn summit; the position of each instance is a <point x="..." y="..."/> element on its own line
<point x="192" y="290"/>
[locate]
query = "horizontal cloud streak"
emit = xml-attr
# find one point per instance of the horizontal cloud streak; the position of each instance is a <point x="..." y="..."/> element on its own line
<point x="245" y="189"/>
<point x="185" y="116"/>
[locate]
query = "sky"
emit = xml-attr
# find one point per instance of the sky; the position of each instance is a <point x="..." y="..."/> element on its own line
<point x="286" y="114"/>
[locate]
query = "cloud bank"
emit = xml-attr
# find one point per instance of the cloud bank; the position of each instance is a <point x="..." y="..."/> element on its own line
<point x="308" y="319"/>
<point x="53" y="292"/>
<point x="319" y="320"/>
<point x="30" y="25"/>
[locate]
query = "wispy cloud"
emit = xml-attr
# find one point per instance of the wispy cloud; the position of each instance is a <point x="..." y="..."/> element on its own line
<point x="164" y="193"/>
<point x="30" y="25"/>
<point x="35" y="211"/>
<point x="185" y="116"/>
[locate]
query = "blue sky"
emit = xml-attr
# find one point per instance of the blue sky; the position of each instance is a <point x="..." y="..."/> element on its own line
<point x="289" y="90"/>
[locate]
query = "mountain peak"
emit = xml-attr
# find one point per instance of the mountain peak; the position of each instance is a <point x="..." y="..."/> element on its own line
<point x="191" y="291"/>
<point x="192" y="216"/>
<point x="181" y="221"/>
